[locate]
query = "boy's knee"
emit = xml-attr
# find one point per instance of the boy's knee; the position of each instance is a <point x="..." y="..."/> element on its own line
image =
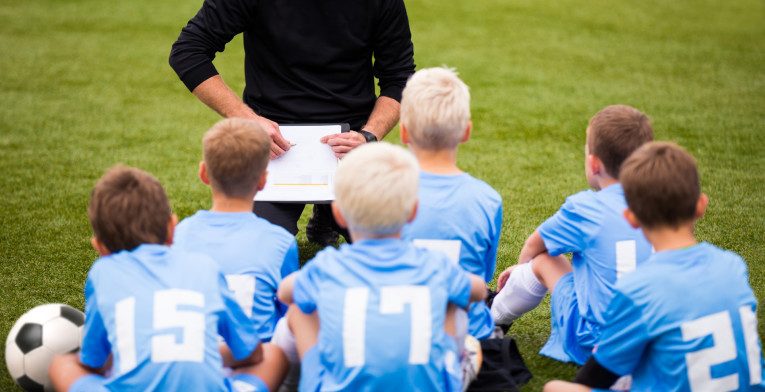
<point x="548" y="269"/>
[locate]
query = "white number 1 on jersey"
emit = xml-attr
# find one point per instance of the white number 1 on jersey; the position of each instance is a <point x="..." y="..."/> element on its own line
<point x="392" y="301"/>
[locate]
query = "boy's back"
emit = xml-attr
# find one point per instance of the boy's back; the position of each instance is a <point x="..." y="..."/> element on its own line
<point x="462" y="208"/>
<point x="252" y="253"/>
<point x="604" y="246"/>
<point x="382" y="306"/>
<point x="159" y="311"/>
<point x="690" y="333"/>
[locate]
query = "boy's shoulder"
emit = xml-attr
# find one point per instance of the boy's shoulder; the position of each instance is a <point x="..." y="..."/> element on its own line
<point x="660" y="272"/>
<point x="246" y="222"/>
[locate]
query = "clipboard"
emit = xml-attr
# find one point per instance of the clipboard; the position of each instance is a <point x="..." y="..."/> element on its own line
<point x="305" y="174"/>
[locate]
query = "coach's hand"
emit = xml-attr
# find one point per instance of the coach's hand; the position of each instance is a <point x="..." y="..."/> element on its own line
<point x="343" y="143"/>
<point x="279" y="145"/>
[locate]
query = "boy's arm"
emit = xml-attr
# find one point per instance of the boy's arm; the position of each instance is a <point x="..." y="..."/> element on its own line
<point x="95" y="352"/>
<point x="229" y="361"/>
<point x="286" y="289"/>
<point x="234" y="326"/>
<point x="477" y="288"/>
<point x="533" y="247"/>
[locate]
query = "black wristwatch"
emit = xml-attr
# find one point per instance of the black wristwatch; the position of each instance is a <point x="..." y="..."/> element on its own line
<point x="369" y="136"/>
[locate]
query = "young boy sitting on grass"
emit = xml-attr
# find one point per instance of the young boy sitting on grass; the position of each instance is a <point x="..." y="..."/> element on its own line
<point x="590" y="225"/>
<point x="686" y="320"/>
<point x="455" y="209"/>
<point x="253" y="254"/>
<point x="372" y="315"/>
<point x="153" y="314"/>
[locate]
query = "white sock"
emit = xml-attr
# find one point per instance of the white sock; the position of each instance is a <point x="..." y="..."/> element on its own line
<point x="521" y="293"/>
<point x="285" y="340"/>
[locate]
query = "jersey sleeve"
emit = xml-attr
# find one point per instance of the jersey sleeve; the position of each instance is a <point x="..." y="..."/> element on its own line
<point x="306" y="289"/>
<point x="624" y="337"/>
<point x="95" y="348"/>
<point x="291" y="262"/>
<point x="393" y="49"/>
<point x="490" y="258"/>
<point x="458" y="282"/>
<point x="233" y="324"/>
<point x="572" y="227"/>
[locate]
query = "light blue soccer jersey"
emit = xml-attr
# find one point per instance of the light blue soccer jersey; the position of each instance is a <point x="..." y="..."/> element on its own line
<point x="685" y="321"/>
<point x="381" y="306"/>
<point x="159" y="311"/>
<point x="464" y="209"/>
<point x="253" y="254"/>
<point x="591" y="226"/>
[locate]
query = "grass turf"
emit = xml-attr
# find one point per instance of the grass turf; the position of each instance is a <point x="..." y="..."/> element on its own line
<point x="85" y="84"/>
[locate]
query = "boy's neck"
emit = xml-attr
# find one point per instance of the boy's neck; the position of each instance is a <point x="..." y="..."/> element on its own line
<point x="670" y="238"/>
<point x="437" y="161"/>
<point x="605" y="182"/>
<point x="223" y="203"/>
<point x="358" y="236"/>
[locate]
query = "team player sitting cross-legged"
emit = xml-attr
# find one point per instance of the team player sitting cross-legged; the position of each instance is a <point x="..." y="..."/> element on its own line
<point x="197" y="308"/>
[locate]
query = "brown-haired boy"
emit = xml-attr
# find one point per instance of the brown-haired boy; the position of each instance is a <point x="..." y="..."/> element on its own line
<point x="253" y="254"/>
<point x="589" y="225"/>
<point x="686" y="320"/>
<point x="154" y="313"/>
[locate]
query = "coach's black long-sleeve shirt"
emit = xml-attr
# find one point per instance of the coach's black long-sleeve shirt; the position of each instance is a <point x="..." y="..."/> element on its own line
<point x="305" y="60"/>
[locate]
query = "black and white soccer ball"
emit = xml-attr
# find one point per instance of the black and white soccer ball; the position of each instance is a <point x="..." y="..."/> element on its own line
<point x="34" y="339"/>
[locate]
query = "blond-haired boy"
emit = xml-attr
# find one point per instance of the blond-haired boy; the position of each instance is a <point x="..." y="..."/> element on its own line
<point x="687" y="319"/>
<point x="591" y="227"/>
<point x="457" y="212"/>
<point x="380" y="302"/>
<point x="253" y="254"/>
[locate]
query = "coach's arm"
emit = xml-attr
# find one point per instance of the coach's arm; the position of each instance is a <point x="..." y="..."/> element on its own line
<point x="192" y="54"/>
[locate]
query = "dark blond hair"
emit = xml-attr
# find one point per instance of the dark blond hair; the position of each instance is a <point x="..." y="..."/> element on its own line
<point x="616" y="132"/>
<point x="236" y="153"/>
<point x="661" y="185"/>
<point x="128" y="207"/>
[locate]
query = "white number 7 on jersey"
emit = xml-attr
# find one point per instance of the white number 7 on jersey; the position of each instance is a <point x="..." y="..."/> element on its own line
<point x="392" y="301"/>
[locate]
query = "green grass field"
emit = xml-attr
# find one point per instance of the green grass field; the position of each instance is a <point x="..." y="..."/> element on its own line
<point x="85" y="84"/>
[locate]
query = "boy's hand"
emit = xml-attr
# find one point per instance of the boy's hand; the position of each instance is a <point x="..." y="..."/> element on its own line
<point x="504" y="276"/>
<point x="343" y="143"/>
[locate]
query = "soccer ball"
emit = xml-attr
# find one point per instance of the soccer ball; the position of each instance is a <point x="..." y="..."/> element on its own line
<point x="34" y="339"/>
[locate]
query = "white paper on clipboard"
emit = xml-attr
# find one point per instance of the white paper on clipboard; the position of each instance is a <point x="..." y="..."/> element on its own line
<point x="306" y="172"/>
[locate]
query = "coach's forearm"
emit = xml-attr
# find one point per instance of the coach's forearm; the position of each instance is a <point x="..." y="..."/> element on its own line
<point x="214" y="93"/>
<point x="384" y="117"/>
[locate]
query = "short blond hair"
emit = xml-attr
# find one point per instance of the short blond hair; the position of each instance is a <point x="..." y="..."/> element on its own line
<point x="236" y="153"/>
<point x="376" y="188"/>
<point x="435" y="108"/>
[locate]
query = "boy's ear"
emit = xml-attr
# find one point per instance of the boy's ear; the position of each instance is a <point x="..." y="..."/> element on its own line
<point x="414" y="212"/>
<point x="99" y="246"/>
<point x="631" y="218"/>
<point x="262" y="181"/>
<point x="701" y="205"/>
<point x="594" y="164"/>
<point x="171" y="229"/>
<point x="404" y="134"/>
<point x="203" y="173"/>
<point x="339" y="218"/>
<point x="466" y="136"/>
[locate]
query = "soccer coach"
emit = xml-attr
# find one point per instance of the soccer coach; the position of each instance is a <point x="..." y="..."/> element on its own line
<point x="306" y="61"/>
